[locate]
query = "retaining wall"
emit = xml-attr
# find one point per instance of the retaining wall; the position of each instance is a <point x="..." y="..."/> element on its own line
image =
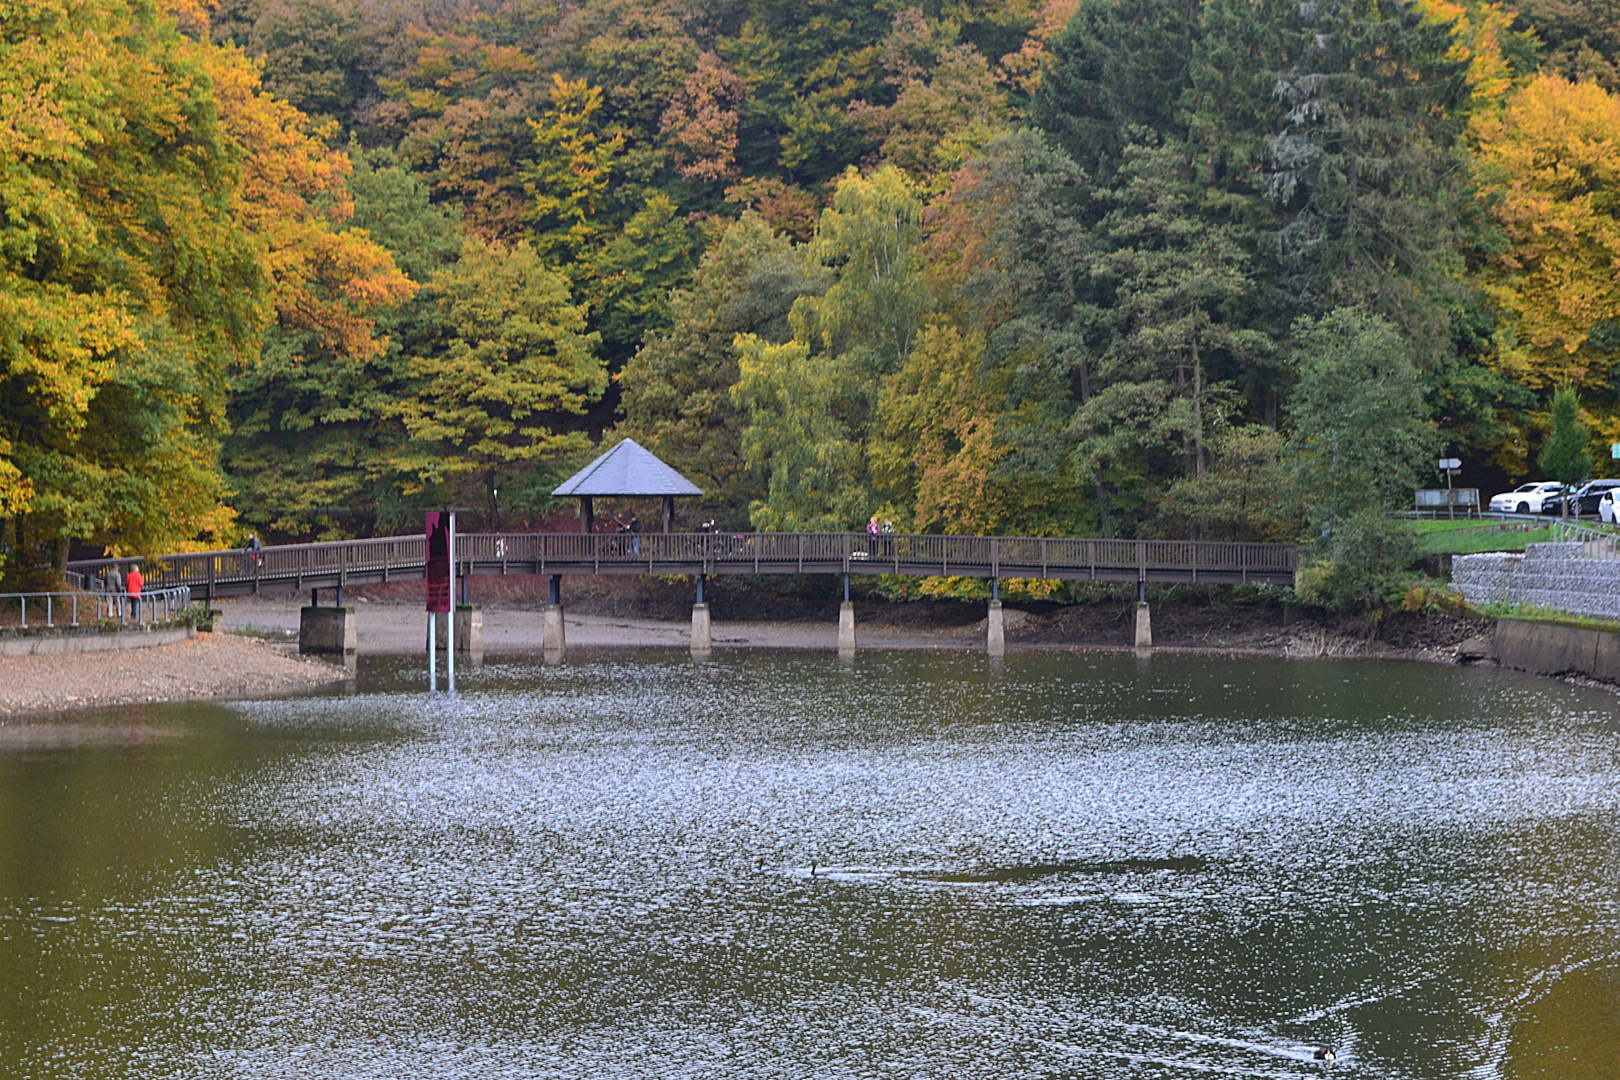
<point x="1553" y="576"/>
<point x="41" y="641"/>
<point x="1550" y="649"/>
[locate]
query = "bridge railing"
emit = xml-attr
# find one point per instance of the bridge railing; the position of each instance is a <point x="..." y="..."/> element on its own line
<point x="979" y="556"/>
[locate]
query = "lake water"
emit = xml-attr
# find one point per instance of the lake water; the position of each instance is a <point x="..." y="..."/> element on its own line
<point x="1051" y="866"/>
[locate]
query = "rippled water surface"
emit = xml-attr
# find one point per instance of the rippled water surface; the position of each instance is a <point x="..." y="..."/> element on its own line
<point x="785" y="866"/>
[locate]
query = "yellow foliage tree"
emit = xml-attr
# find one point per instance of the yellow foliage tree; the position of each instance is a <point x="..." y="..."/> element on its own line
<point x="161" y="211"/>
<point x="1551" y="169"/>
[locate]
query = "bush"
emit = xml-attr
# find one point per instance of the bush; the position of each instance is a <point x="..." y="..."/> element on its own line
<point x="1360" y="566"/>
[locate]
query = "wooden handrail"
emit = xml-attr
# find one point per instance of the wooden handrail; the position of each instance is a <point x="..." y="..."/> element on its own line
<point x="336" y="563"/>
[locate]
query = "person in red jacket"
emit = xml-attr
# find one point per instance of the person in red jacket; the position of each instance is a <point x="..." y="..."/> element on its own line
<point x="132" y="585"/>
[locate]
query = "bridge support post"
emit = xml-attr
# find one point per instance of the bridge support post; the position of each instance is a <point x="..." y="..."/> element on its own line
<point x="553" y="642"/>
<point x="995" y="643"/>
<point x="702" y="631"/>
<point x="702" y="628"/>
<point x="327" y="631"/>
<point x="846" y="623"/>
<point x="470" y="632"/>
<point x="1144" y="619"/>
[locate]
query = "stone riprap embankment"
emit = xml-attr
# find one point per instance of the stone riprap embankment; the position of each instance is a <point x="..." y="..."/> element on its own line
<point x="1557" y="576"/>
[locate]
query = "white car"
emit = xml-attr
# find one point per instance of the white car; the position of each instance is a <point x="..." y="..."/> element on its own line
<point x="1528" y="498"/>
<point x="1606" y="508"/>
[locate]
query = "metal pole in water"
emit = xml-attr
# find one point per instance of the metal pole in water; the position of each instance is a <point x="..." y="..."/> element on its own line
<point x="450" y="623"/>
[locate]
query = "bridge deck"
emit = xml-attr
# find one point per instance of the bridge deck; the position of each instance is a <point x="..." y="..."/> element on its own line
<point x="356" y="562"/>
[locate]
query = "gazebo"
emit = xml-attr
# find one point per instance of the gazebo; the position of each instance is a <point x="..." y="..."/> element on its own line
<point x="628" y="471"/>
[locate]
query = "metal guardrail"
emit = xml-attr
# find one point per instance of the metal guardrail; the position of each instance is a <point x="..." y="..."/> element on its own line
<point x="108" y="605"/>
<point x="1597" y="542"/>
<point x="341" y="563"/>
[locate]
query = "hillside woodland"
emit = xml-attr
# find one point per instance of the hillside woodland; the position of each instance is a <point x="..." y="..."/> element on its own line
<point x="1143" y="268"/>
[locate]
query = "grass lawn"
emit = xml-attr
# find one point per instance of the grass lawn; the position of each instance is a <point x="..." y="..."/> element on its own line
<point x="1546" y="615"/>
<point x="1472" y="537"/>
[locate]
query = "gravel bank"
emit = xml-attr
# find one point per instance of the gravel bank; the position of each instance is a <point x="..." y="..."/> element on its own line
<point x="207" y="666"/>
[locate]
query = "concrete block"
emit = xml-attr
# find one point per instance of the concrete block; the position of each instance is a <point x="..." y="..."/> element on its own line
<point x="995" y="643"/>
<point x="327" y="631"/>
<point x="702" y="635"/>
<point x="470" y="632"/>
<point x="1144" y="626"/>
<point x="553" y="641"/>
<point x="846" y="627"/>
<point x="62" y="640"/>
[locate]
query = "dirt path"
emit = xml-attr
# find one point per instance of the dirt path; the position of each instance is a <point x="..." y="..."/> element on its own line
<point x="206" y="666"/>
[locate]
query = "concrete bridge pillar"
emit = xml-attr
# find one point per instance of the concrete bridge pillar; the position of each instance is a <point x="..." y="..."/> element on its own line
<point x="1144" y="626"/>
<point x="553" y="642"/>
<point x="470" y="632"/>
<point x="327" y="631"/>
<point x="702" y="629"/>
<point x="846" y="627"/>
<point x="702" y="634"/>
<point x="995" y="643"/>
<point x="846" y="623"/>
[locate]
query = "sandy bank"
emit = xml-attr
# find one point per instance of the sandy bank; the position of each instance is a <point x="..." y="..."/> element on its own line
<point x="207" y="666"/>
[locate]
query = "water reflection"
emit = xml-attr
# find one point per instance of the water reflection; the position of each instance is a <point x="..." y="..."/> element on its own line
<point x="782" y="865"/>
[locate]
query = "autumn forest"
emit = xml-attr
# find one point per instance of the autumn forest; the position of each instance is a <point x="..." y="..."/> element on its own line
<point x="1140" y="268"/>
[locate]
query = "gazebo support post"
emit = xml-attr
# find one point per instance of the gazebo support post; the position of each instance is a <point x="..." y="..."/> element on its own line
<point x="669" y="513"/>
<point x="587" y="515"/>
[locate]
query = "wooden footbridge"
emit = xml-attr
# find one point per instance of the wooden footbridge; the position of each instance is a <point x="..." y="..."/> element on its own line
<point x="212" y="574"/>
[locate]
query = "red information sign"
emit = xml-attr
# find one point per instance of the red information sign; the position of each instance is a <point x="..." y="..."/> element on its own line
<point x="438" y="561"/>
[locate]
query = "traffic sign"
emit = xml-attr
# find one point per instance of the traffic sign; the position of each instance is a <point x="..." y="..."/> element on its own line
<point x="1456" y="463"/>
<point x="1614" y="449"/>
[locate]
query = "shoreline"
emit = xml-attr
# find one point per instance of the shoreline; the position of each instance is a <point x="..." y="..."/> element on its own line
<point x="252" y="655"/>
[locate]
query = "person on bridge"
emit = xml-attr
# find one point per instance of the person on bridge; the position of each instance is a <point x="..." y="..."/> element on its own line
<point x="253" y="547"/>
<point x="872" y="537"/>
<point x="132" y="585"/>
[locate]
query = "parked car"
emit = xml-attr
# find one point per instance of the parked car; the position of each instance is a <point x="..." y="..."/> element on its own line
<point x="1534" y="498"/>
<point x="1606" y="508"/>
<point x="1585" y="501"/>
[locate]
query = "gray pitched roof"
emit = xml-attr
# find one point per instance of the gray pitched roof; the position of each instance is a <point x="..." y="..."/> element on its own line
<point x="627" y="470"/>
